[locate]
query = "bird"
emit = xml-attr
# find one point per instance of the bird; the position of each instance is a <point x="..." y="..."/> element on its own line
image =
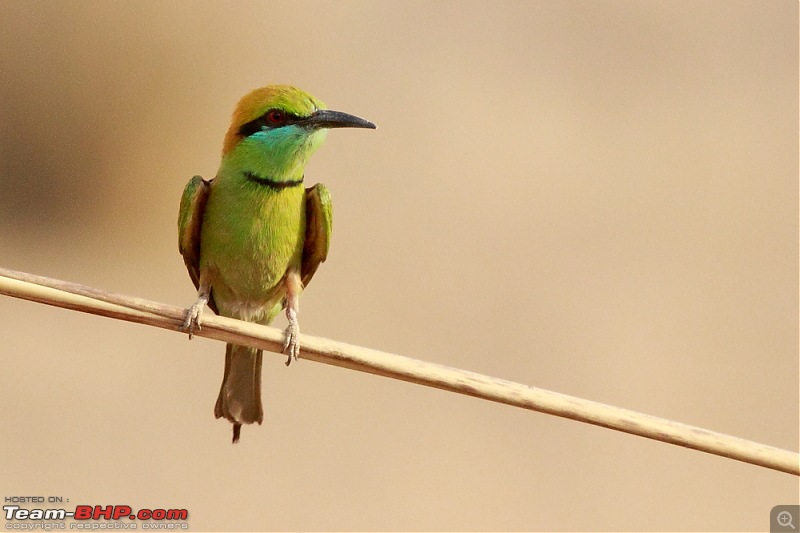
<point x="253" y="236"/>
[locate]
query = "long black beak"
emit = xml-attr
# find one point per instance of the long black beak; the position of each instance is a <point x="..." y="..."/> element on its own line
<point x="325" y="118"/>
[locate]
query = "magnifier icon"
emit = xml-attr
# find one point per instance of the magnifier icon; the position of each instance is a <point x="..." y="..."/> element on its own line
<point x="785" y="519"/>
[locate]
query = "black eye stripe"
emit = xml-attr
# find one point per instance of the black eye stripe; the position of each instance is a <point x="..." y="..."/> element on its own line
<point x="246" y="130"/>
<point x="262" y="122"/>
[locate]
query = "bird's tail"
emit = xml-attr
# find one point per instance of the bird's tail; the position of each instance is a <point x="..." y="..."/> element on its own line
<point x="240" y="395"/>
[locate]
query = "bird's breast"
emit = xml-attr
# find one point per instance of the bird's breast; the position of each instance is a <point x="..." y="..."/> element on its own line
<point x="250" y="236"/>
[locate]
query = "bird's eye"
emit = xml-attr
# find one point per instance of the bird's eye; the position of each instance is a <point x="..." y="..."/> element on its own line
<point x="276" y="117"/>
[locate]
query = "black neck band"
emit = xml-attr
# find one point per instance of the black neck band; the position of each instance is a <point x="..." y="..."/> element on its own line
<point x="275" y="185"/>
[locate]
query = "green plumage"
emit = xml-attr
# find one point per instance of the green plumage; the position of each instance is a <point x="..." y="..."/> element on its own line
<point x="253" y="237"/>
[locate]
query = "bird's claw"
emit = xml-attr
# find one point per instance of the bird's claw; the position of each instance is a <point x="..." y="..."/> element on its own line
<point x="291" y="343"/>
<point x="192" y="320"/>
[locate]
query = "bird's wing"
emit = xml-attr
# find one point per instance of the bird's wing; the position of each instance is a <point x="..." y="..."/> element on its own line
<point x="190" y="220"/>
<point x="319" y="225"/>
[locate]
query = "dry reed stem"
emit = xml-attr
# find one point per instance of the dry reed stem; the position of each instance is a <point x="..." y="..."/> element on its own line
<point x="90" y="300"/>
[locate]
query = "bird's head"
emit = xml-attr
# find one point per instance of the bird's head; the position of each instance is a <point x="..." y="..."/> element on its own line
<point x="275" y="130"/>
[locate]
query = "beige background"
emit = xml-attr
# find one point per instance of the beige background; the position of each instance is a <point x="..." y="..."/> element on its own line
<point x="598" y="198"/>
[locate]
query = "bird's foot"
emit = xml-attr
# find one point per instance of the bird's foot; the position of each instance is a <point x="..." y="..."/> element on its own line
<point x="293" y="289"/>
<point x="292" y="343"/>
<point x="193" y="315"/>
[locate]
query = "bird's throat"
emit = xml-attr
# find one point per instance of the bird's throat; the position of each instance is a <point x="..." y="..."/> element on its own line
<point x="272" y="183"/>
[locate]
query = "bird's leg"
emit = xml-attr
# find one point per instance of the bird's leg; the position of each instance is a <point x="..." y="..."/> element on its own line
<point x="193" y="314"/>
<point x="293" y="289"/>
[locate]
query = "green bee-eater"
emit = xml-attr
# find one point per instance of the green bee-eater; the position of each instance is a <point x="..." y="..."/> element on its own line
<point x="253" y="236"/>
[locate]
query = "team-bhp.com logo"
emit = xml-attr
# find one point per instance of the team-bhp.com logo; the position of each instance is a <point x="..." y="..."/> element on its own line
<point x="163" y="518"/>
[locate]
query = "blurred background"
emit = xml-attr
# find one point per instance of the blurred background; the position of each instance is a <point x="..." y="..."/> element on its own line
<point x="597" y="198"/>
